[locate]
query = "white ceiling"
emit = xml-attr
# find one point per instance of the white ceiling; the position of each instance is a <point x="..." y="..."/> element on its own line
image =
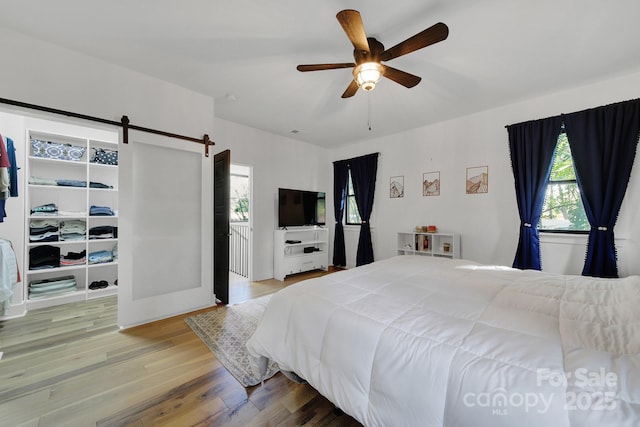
<point x="244" y="54"/>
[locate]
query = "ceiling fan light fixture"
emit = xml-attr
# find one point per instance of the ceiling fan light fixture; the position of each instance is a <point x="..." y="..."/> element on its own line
<point x="367" y="75"/>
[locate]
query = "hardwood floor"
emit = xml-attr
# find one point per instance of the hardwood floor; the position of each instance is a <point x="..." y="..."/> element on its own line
<point x="71" y="366"/>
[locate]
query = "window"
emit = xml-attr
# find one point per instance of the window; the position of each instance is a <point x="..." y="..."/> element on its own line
<point x="352" y="214"/>
<point x="239" y="198"/>
<point x="562" y="210"/>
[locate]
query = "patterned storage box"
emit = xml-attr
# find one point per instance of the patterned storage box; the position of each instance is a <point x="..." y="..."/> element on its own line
<point x="104" y="156"/>
<point x="56" y="150"/>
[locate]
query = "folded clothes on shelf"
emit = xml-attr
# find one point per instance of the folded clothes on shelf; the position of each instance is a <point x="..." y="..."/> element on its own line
<point x="45" y="256"/>
<point x="100" y="211"/>
<point x="48" y="234"/>
<point x="50" y="287"/>
<point x="73" y="258"/>
<point x="99" y="185"/>
<point x="37" y="223"/>
<point x="99" y="257"/>
<point x="44" y="230"/>
<point x="34" y="180"/>
<point x="46" y="209"/>
<point x="103" y="232"/>
<point x="71" y="183"/>
<point x="73" y="229"/>
<point x="72" y="213"/>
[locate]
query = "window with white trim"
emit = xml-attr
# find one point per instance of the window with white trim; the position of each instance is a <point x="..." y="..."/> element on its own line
<point x="563" y="210"/>
<point x="352" y="216"/>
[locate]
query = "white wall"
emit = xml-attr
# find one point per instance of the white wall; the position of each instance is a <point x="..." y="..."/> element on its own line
<point x="488" y="223"/>
<point x="42" y="73"/>
<point x="276" y="162"/>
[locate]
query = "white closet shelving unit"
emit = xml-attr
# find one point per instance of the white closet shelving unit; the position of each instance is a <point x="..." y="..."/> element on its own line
<point x="440" y="244"/>
<point x="297" y="250"/>
<point x="73" y="203"/>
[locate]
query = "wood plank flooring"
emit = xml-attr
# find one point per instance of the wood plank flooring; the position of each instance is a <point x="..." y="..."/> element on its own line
<point x="70" y="366"/>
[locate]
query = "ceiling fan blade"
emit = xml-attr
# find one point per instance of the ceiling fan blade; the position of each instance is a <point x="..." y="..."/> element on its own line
<point x="351" y="90"/>
<point x="431" y="35"/>
<point x="320" y="67"/>
<point x="352" y="25"/>
<point x="401" y="77"/>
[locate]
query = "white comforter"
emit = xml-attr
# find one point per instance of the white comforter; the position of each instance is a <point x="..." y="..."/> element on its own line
<point x="421" y="341"/>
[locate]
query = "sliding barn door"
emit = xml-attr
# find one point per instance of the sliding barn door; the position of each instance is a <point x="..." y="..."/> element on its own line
<point x="165" y="229"/>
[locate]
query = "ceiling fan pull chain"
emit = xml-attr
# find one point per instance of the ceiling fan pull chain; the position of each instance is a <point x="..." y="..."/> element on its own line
<point x="369" y="110"/>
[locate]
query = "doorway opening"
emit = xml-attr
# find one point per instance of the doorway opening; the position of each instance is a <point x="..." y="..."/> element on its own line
<point x="239" y="232"/>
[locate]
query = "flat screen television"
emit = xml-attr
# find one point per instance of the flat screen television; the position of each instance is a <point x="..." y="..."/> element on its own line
<point x="299" y="207"/>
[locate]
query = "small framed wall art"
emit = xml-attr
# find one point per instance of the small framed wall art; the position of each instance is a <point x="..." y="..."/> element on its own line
<point x="478" y="179"/>
<point x="396" y="187"/>
<point x="431" y="183"/>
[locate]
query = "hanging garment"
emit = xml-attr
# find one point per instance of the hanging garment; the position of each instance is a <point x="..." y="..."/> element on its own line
<point x="4" y="189"/>
<point x="4" y="156"/>
<point x="4" y="178"/>
<point x="13" y="168"/>
<point x="9" y="274"/>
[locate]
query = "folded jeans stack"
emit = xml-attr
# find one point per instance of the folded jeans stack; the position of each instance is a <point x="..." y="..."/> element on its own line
<point x="51" y="287"/>
<point x="36" y="180"/>
<point x="99" y="257"/>
<point x="100" y="211"/>
<point x="45" y="256"/>
<point x="71" y="183"/>
<point x="43" y="230"/>
<point x="74" y="229"/>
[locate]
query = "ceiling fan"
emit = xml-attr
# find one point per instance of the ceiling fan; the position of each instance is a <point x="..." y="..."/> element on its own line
<point x="369" y="54"/>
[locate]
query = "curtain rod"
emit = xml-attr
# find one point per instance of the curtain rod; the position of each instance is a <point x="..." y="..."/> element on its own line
<point x="124" y="123"/>
<point x="587" y="109"/>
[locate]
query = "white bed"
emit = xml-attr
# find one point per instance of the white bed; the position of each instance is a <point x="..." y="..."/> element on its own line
<point x="422" y="341"/>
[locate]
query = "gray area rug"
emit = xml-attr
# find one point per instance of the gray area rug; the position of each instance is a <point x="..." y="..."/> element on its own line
<point x="226" y="330"/>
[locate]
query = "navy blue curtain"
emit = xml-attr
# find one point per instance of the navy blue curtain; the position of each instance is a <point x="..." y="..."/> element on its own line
<point x="340" y="182"/>
<point x="363" y="175"/>
<point x="532" y="145"/>
<point x="603" y="144"/>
